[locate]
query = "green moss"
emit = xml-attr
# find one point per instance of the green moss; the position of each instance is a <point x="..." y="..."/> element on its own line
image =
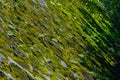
<point x="56" y="39"/>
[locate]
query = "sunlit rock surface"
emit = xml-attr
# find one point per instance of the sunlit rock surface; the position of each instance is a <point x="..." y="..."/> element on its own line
<point x="56" y="40"/>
